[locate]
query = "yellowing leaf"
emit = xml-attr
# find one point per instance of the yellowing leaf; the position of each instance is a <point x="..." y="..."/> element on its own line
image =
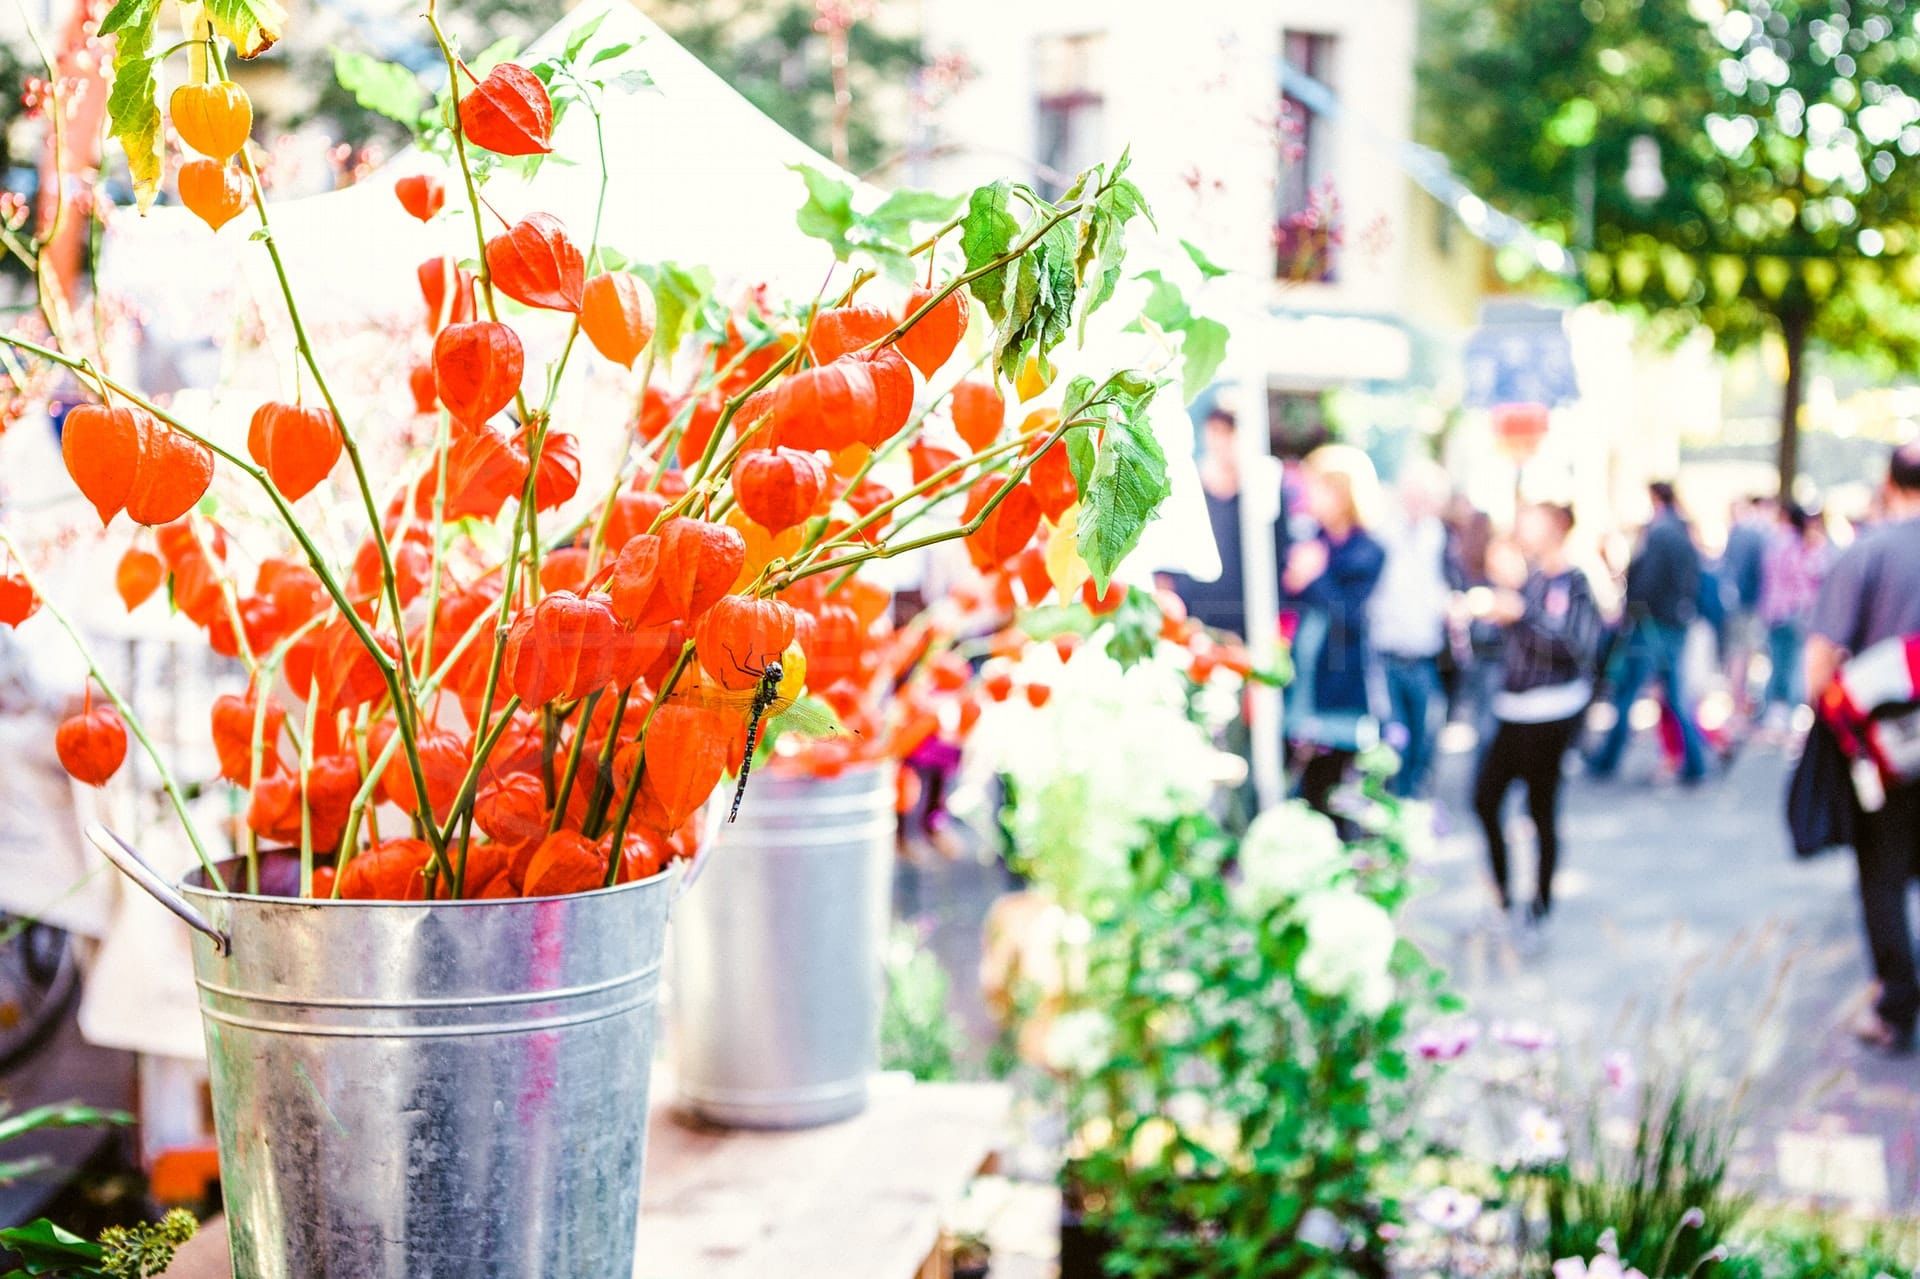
<point x="254" y="26"/>
<point x="1064" y="565"/>
<point x="133" y="103"/>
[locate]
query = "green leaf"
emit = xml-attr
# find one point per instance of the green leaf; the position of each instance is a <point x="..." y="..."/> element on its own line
<point x="125" y="13"/>
<point x="828" y="213"/>
<point x="609" y="53"/>
<point x="631" y="81"/>
<point x="679" y="295"/>
<point x="987" y="233"/>
<point x="254" y="26"/>
<point x="384" y="87"/>
<point x="1040" y="310"/>
<point x="1202" y="351"/>
<point x="1129" y="479"/>
<point x="493" y="55"/>
<point x="45" y="1248"/>
<point x="904" y="208"/>
<point x="133" y="103"/>
<point x="1208" y="268"/>
<point x="583" y="33"/>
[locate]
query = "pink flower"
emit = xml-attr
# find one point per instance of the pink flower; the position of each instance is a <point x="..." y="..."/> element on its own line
<point x="1620" y="1073"/>
<point x="1447" y="1040"/>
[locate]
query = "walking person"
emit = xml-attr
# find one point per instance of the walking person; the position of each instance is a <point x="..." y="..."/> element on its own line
<point x="1796" y="564"/>
<point x="1742" y="580"/>
<point x="1329" y="578"/>
<point x="1872" y="593"/>
<point x="1553" y="631"/>
<point x="1662" y="598"/>
<point x="1409" y="619"/>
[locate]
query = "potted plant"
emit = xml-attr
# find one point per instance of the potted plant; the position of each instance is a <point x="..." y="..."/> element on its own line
<point x="1223" y="1017"/>
<point x="490" y="689"/>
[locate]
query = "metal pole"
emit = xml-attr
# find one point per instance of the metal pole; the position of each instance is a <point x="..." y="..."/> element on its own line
<point x="1260" y="575"/>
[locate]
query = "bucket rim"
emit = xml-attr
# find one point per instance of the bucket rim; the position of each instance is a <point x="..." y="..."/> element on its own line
<point x="198" y="891"/>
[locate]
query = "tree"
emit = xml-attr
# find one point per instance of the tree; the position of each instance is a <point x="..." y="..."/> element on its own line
<point x="1748" y="165"/>
<point x="826" y="70"/>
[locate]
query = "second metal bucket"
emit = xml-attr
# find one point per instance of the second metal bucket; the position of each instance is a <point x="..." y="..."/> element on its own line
<point x="777" y="969"/>
<point x="446" y="1090"/>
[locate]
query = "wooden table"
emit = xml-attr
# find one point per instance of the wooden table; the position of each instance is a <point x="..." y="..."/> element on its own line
<point x="858" y="1200"/>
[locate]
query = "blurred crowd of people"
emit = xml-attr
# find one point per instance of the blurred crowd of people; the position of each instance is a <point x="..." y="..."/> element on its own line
<point x="1544" y="648"/>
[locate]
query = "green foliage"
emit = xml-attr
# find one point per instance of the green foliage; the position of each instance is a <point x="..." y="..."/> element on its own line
<point x="1203" y="341"/>
<point x="883" y="237"/>
<point x="770" y="53"/>
<point x="683" y="302"/>
<point x="917" y="1033"/>
<point x="1240" y="1123"/>
<point x="1788" y="190"/>
<point x="386" y="88"/>
<point x="1122" y="489"/>
<point x="1676" y="1164"/>
<point x="124" y="1252"/>
<point x="133" y="101"/>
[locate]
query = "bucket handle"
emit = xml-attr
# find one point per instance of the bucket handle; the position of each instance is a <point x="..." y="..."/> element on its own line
<point x="140" y="871"/>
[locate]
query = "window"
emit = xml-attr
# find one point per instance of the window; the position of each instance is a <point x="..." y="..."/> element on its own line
<point x="1306" y="218"/>
<point x="1071" y="107"/>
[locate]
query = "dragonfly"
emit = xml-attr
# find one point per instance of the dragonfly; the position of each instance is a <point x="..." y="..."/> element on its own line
<point x="774" y="695"/>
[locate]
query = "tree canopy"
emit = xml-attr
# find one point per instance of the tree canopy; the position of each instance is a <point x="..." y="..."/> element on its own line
<point x="1749" y="165"/>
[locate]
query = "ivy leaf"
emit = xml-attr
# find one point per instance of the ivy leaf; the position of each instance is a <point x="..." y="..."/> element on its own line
<point x="1129" y="478"/>
<point x="987" y="233"/>
<point x="1208" y="268"/>
<point x="254" y="26"/>
<point x="384" y="87"/>
<point x="133" y="103"/>
<point x="828" y="213"/>
<point x="583" y="33"/>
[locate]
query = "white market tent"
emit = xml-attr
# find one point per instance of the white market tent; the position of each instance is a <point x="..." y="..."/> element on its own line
<point x="698" y="175"/>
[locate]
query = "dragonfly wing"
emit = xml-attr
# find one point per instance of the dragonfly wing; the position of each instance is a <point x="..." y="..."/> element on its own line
<point x="809" y="718"/>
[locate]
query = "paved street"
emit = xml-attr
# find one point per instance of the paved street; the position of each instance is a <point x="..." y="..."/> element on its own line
<point x="1684" y="910"/>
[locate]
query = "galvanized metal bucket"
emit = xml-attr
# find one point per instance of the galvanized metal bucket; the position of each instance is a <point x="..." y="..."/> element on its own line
<point x="407" y="1090"/>
<point x="776" y="972"/>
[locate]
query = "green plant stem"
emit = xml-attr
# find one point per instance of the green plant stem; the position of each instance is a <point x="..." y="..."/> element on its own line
<point x="602" y="790"/>
<point x="572" y="768"/>
<point x="389" y="671"/>
<point x="132" y="720"/>
<point x="640" y="764"/>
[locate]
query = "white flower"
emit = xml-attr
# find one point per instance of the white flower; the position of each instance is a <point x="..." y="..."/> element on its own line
<point x="1448" y="1210"/>
<point x="1349" y="947"/>
<point x="1601" y="1267"/>
<point x="1288" y="850"/>
<point x="1080" y="1042"/>
<point x="1111" y="750"/>
<point x="1542" y="1140"/>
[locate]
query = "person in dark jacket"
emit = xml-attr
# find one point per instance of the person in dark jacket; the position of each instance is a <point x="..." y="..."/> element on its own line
<point x="1330" y="577"/>
<point x="1663" y="593"/>
<point x="1552" y="633"/>
<point x="1872" y="594"/>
